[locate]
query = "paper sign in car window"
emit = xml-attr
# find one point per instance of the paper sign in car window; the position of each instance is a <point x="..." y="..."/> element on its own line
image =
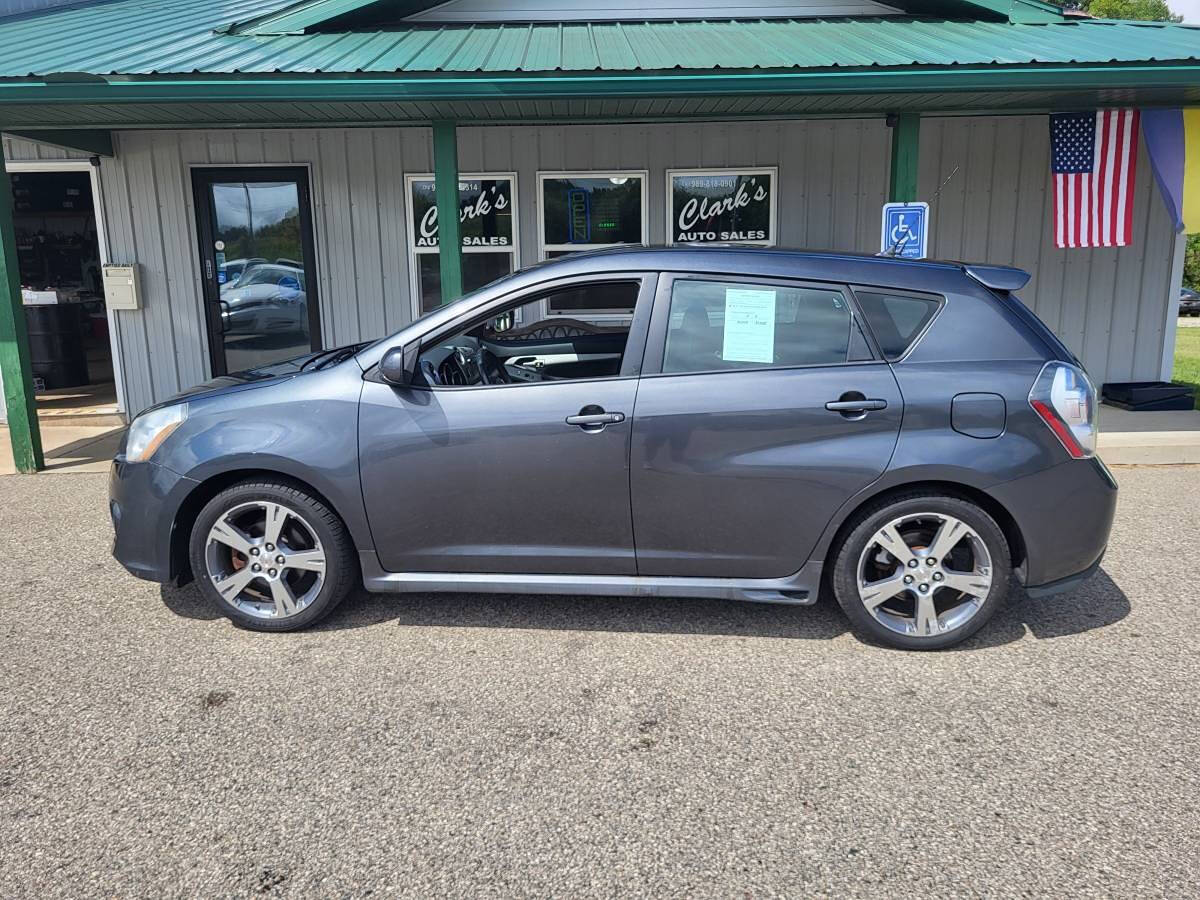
<point x="749" y="326"/>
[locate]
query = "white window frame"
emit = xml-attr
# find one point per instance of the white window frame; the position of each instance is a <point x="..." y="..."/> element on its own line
<point x="544" y="249"/>
<point x="773" y="171"/>
<point x="414" y="272"/>
<point x="114" y="323"/>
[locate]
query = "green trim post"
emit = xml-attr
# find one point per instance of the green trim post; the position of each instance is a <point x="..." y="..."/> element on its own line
<point x="445" y="176"/>
<point x="14" y="344"/>
<point x="906" y="139"/>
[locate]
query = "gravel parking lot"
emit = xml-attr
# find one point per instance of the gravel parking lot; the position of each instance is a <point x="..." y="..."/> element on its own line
<point x="471" y="745"/>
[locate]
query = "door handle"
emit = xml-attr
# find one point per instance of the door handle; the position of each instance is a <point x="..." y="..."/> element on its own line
<point x="594" y="419"/>
<point x="855" y="405"/>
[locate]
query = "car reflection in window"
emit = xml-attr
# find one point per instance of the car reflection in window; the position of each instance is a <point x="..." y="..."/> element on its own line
<point x="266" y="298"/>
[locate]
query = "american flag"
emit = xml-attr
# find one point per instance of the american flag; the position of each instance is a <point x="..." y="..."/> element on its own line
<point x="1093" y="156"/>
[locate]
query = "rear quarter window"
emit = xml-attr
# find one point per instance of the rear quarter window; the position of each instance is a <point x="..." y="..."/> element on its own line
<point x="897" y="320"/>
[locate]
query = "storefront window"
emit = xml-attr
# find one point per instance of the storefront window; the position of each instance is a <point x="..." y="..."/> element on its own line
<point x="726" y="206"/>
<point x="588" y="211"/>
<point x="489" y="233"/>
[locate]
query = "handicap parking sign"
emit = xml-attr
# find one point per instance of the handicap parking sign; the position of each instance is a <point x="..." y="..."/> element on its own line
<point x="905" y="231"/>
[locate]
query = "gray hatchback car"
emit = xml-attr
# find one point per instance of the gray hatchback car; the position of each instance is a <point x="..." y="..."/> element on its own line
<point x="752" y="425"/>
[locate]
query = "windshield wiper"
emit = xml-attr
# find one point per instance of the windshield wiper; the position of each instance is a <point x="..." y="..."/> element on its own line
<point x="335" y="355"/>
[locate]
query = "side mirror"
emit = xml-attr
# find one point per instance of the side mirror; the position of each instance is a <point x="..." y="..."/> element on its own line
<point x="393" y="368"/>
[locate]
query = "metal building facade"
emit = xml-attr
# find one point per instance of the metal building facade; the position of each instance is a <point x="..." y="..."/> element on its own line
<point x="1111" y="306"/>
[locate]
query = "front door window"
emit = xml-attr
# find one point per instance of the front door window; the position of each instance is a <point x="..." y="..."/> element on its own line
<point x="256" y="249"/>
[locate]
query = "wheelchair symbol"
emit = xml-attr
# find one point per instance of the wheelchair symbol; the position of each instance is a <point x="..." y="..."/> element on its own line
<point x="901" y="233"/>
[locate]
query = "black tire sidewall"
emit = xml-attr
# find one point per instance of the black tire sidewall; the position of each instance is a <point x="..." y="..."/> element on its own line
<point x="340" y="574"/>
<point x="845" y="566"/>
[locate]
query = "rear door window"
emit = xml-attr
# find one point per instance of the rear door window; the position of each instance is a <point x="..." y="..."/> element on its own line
<point x="730" y="325"/>
<point x="896" y="319"/>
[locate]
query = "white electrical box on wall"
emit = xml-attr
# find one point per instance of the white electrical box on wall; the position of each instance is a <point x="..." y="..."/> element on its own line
<point x="121" y="287"/>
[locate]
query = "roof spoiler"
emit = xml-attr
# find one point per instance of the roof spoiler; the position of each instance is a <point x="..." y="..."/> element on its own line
<point x="999" y="278"/>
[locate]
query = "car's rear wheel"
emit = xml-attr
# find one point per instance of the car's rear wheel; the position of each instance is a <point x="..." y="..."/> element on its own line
<point x="922" y="571"/>
<point x="271" y="556"/>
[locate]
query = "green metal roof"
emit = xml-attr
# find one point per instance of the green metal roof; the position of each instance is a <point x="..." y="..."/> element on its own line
<point x="148" y="37"/>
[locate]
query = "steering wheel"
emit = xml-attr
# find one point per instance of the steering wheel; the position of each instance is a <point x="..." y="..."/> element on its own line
<point x="491" y="371"/>
<point x="430" y="373"/>
<point x="458" y="371"/>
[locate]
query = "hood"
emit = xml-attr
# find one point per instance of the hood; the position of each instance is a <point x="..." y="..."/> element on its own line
<point x="251" y="378"/>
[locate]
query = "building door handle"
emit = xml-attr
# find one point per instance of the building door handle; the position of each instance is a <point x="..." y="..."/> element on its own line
<point x="593" y="418"/>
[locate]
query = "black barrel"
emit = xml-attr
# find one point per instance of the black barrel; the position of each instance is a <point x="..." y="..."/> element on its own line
<point x="56" y="351"/>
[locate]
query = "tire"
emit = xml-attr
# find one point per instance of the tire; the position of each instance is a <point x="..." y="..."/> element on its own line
<point x="319" y="566"/>
<point x="878" y="590"/>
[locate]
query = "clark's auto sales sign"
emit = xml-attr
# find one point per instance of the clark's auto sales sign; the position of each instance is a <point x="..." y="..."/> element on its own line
<point x="484" y="209"/>
<point x="734" y="206"/>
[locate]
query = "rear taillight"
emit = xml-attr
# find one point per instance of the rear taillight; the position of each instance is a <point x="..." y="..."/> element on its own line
<point x="1065" y="400"/>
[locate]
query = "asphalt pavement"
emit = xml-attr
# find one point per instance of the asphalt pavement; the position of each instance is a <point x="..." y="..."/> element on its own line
<point x="465" y="745"/>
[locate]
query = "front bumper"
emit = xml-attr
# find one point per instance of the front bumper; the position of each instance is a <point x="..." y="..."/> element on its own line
<point x="143" y="501"/>
<point x="1038" y="591"/>
<point x="1064" y="514"/>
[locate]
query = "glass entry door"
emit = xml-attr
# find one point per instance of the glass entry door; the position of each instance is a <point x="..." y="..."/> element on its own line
<point x="256" y="254"/>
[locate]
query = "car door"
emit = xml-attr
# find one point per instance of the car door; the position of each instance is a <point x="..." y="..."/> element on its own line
<point x="762" y="408"/>
<point x="527" y="477"/>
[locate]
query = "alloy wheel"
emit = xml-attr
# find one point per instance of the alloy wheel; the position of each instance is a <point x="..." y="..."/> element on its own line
<point x="924" y="574"/>
<point x="265" y="559"/>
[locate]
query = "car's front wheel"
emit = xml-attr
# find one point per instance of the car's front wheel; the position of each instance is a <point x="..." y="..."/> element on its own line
<point x="271" y="556"/>
<point x="922" y="571"/>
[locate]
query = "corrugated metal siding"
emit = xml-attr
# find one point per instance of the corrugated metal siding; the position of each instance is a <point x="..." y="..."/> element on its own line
<point x="1109" y="305"/>
<point x="19" y="150"/>
<point x="356" y="179"/>
<point x="818" y="160"/>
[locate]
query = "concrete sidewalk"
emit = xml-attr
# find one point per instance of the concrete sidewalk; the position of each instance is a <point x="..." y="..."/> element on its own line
<point x="69" y="448"/>
<point x="1149" y="438"/>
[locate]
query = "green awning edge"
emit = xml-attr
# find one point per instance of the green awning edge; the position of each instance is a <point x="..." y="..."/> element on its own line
<point x="167" y="89"/>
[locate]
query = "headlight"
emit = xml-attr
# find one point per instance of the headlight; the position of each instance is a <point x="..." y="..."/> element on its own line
<point x="149" y="430"/>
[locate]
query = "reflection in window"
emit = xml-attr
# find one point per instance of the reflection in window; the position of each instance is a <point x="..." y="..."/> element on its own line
<point x="263" y="314"/>
<point x="478" y="269"/>
<point x="257" y="221"/>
